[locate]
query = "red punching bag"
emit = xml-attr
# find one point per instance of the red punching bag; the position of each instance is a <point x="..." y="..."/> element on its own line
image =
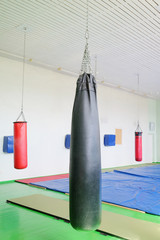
<point x="20" y="145"/>
<point x="138" y="144"/>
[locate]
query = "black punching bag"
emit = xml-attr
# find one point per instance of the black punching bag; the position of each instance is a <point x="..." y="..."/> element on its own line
<point x="85" y="157"/>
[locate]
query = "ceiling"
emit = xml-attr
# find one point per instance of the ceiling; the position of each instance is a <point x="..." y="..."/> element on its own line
<point x="124" y="38"/>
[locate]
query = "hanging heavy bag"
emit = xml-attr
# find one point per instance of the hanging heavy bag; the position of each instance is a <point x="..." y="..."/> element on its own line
<point x="138" y="146"/>
<point x="20" y="127"/>
<point x="20" y="145"/>
<point x="85" y="159"/>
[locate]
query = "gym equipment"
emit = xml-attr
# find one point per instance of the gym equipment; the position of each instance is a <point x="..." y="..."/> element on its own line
<point x="138" y="135"/>
<point x="109" y="140"/>
<point x="20" y="128"/>
<point x="8" y="144"/>
<point x="20" y="145"/>
<point x="85" y="159"/>
<point x="120" y="189"/>
<point x="59" y="185"/>
<point x="138" y="144"/>
<point x="147" y="171"/>
<point x="67" y="141"/>
<point x="112" y="223"/>
<point x="39" y="179"/>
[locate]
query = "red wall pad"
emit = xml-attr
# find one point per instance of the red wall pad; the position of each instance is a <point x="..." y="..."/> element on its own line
<point x="20" y="145"/>
<point x="138" y="146"/>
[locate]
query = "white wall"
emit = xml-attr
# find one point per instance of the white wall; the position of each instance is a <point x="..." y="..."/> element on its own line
<point x="48" y="101"/>
<point x="118" y="109"/>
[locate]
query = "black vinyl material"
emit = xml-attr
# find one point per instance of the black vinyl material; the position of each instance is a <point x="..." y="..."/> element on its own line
<point x="85" y="157"/>
<point x="138" y="133"/>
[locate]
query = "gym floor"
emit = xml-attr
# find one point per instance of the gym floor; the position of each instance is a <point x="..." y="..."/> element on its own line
<point x="18" y="223"/>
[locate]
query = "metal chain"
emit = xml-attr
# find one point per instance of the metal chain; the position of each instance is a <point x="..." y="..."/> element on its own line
<point x="138" y="81"/>
<point x="95" y="74"/>
<point x="24" y="58"/>
<point x="138" y="125"/>
<point x="23" y="117"/>
<point x="138" y="129"/>
<point x="86" y="61"/>
<point x="87" y="23"/>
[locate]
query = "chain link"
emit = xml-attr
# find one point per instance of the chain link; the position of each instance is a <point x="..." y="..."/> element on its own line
<point x="86" y="65"/>
<point x="86" y="61"/>
<point x="24" y="58"/>
<point x="138" y="129"/>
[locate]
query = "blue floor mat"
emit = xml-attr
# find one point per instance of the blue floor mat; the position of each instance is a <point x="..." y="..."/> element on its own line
<point x="60" y="185"/>
<point x="122" y="189"/>
<point x="132" y="191"/>
<point x="148" y="171"/>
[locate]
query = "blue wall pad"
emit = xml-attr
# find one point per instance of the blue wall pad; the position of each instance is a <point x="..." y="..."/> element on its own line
<point x="109" y="140"/>
<point x="67" y="141"/>
<point x="8" y="144"/>
<point x="148" y="171"/>
<point x="122" y="189"/>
